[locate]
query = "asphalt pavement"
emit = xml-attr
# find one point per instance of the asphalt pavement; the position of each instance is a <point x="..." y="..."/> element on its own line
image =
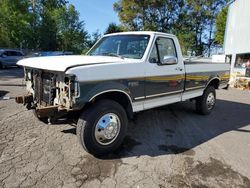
<point x="171" y="146"/>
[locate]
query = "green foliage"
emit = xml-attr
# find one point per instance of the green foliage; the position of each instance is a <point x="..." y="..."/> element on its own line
<point x="55" y="24"/>
<point x="221" y="20"/>
<point x="113" y="28"/>
<point x="14" y="22"/>
<point x="95" y="36"/>
<point x="41" y="25"/>
<point x="70" y="36"/>
<point x="193" y="21"/>
<point x="148" y="14"/>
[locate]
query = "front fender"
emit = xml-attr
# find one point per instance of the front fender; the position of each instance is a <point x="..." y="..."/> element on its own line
<point x="88" y="91"/>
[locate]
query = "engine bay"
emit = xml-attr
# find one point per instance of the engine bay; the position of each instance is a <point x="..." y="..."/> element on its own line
<point x="51" y="88"/>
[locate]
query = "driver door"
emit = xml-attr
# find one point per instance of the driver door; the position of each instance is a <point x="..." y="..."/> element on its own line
<point x="164" y="80"/>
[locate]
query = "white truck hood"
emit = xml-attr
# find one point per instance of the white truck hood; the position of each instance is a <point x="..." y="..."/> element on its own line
<point x="62" y="63"/>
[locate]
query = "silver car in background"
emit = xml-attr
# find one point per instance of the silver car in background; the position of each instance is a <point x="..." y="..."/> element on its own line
<point x="9" y="57"/>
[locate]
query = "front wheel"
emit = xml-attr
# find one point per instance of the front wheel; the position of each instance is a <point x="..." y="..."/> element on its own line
<point x="206" y="103"/>
<point x="38" y="117"/>
<point x="102" y="127"/>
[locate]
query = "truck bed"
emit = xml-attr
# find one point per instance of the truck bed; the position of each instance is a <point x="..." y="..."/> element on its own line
<point x="199" y="74"/>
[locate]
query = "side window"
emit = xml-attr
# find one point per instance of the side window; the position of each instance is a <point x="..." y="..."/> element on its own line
<point x="19" y="54"/>
<point x="153" y="58"/>
<point x="11" y="53"/>
<point x="166" y="47"/>
<point x="5" y="54"/>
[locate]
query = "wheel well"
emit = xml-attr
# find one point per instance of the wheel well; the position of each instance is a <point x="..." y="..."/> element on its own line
<point x="215" y="83"/>
<point x="120" y="98"/>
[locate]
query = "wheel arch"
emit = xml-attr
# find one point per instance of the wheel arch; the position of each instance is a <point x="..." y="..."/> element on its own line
<point x="120" y="96"/>
<point x="215" y="82"/>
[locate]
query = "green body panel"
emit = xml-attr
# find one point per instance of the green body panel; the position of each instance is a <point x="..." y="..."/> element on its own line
<point x="91" y="89"/>
<point x="194" y="80"/>
<point x="141" y="88"/>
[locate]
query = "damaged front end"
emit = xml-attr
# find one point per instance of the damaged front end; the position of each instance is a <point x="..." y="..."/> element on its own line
<point x="49" y="93"/>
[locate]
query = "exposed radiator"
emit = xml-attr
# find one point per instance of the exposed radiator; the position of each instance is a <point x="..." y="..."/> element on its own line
<point x="44" y="86"/>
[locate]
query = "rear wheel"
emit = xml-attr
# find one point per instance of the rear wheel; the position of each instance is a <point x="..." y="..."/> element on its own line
<point x="206" y="103"/>
<point x="102" y="127"/>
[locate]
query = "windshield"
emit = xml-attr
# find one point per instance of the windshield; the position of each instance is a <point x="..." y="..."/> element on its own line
<point x="125" y="46"/>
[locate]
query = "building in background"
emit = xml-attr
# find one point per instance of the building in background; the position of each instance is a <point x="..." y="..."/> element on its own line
<point x="237" y="37"/>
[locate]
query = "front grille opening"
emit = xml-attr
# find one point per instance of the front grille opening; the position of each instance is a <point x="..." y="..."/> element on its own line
<point x="45" y="87"/>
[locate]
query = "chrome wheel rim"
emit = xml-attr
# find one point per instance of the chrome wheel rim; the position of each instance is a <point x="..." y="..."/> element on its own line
<point x="107" y="129"/>
<point x="210" y="101"/>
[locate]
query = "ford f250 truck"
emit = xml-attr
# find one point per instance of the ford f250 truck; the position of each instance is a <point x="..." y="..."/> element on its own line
<point x="122" y="73"/>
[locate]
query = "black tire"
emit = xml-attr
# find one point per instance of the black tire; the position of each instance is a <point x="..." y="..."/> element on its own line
<point x="202" y="105"/>
<point x="44" y="120"/>
<point x="86" y="127"/>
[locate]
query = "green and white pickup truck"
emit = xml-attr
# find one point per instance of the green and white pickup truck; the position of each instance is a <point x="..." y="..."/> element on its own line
<point x="123" y="73"/>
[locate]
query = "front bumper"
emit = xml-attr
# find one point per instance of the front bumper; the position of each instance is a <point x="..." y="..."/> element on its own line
<point x="41" y="111"/>
<point x="26" y="99"/>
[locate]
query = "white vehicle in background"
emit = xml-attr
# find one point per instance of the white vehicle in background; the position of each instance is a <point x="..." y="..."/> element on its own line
<point x="221" y="58"/>
<point x="9" y="57"/>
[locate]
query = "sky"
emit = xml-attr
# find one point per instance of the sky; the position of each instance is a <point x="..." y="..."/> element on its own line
<point x="96" y="14"/>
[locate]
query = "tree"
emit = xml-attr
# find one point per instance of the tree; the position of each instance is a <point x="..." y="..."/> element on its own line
<point x="130" y="13"/>
<point x="201" y="15"/>
<point x="221" y="20"/>
<point x="113" y="28"/>
<point x="191" y="20"/>
<point x="70" y="35"/>
<point x="148" y="14"/>
<point x="14" y="22"/>
<point x="158" y="15"/>
<point x="95" y="37"/>
<point x="41" y="25"/>
<point x="48" y="25"/>
<point x="213" y="9"/>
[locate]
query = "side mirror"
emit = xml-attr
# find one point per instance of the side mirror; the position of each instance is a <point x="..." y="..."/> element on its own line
<point x="3" y="56"/>
<point x="169" y="60"/>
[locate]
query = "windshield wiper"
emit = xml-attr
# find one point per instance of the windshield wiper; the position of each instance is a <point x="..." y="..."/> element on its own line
<point x="112" y="54"/>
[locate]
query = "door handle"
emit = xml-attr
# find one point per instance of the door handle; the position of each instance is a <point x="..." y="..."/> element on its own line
<point x="178" y="68"/>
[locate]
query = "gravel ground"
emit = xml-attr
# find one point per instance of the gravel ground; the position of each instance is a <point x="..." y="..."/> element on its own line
<point x="170" y="146"/>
